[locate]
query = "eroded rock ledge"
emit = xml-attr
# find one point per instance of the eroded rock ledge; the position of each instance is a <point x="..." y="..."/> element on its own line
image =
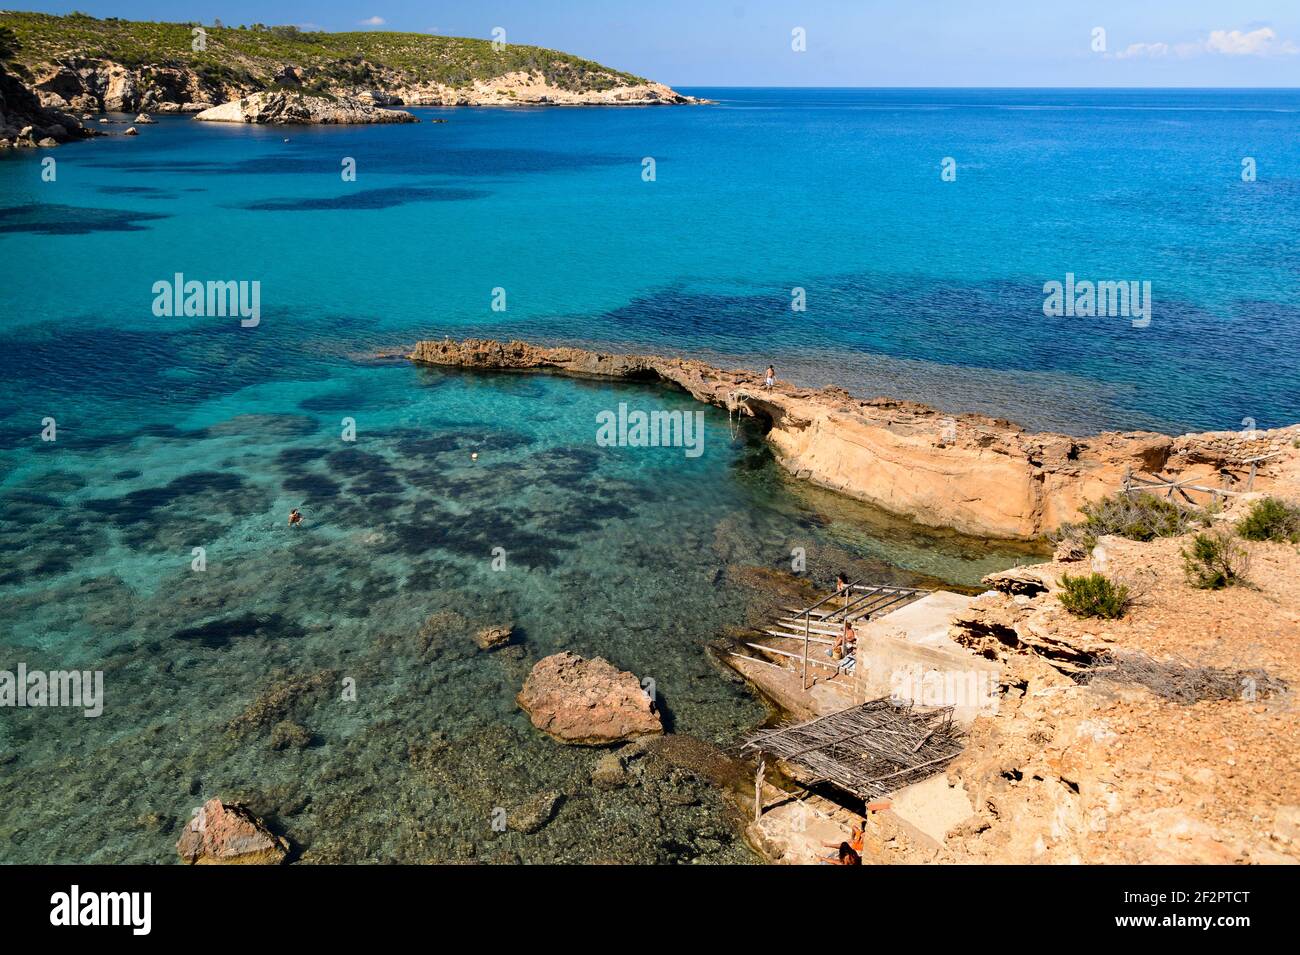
<point x="280" y="108"/>
<point x="978" y="475"/>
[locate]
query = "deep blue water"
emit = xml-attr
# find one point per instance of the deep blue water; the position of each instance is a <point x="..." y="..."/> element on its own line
<point x="915" y="286"/>
<point x="176" y="433"/>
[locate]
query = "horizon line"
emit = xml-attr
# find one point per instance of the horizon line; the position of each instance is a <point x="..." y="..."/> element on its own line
<point x="723" y="86"/>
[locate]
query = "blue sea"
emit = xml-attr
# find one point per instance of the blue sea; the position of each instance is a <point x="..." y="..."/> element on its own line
<point x="148" y="539"/>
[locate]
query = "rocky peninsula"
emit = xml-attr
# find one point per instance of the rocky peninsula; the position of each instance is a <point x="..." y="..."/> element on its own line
<point x="978" y="475"/>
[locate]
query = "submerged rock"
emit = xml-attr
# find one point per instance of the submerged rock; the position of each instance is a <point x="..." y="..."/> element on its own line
<point x="535" y="813"/>
<point x="610" y="772"/>
<point x="290" y="735"/>
<point x="221" y="834"/>
<point x="587" y="702"/>
<point x="489" y="638"/>
<point x="290" y="107"/>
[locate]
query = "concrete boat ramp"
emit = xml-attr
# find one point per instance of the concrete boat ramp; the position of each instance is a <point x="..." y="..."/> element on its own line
<point x="848" y="744"/>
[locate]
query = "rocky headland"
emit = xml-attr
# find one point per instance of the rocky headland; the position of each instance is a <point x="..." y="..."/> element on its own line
<point x="1167" y="735"/>
<point x="77" y="64"/>
<point x="1163" y="732"/>
<point x="979" y="475"/>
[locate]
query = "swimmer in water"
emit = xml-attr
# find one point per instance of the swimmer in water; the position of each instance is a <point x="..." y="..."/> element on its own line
<point x="295" y="518"/>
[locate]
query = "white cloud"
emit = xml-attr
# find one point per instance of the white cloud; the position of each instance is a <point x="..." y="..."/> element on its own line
<point x="373" y="22"/>
<point x="1134" y="50"/>
<point x="1260" y="42"/>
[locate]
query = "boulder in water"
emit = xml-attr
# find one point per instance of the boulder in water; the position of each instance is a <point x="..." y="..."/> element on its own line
<point x="221" y="834"/>
<point x="587" y="702"/>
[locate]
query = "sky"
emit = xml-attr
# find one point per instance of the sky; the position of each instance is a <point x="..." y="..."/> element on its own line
<point x="847" y="42"/>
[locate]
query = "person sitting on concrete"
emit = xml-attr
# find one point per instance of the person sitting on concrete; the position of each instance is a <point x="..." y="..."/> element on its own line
<point x="845" y="644"/>
<point x="856" y="836"/>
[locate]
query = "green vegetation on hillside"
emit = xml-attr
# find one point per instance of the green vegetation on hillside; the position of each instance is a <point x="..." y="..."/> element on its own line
<point x="259" y="52"/>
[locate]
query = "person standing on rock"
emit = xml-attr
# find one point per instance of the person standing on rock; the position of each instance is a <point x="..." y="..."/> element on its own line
<point x="770" y="378"/>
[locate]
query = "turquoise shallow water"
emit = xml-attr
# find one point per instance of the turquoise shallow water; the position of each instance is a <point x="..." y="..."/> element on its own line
<point x="176" y="433"/>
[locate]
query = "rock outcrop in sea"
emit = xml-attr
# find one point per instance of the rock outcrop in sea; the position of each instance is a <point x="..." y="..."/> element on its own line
<point x="229" y="834"/>
<point x="286" y="108"/>
<point x="969" y="472"/>
<point x="587" y="702"/>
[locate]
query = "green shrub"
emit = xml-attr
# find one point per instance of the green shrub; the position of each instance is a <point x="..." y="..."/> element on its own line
<point x="1139" y="517"/>
<point x="1271" y="519"/>
<point x="1214" y="560"/>
<point x="1094" y="596"/>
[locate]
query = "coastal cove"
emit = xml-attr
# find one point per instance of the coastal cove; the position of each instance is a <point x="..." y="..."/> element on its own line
<point x="230" y="680"/>
<point x="443" y="498"/>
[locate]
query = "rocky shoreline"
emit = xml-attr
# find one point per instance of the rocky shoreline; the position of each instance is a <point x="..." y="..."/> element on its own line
<point x="44" y="112"/>
<point x="25" y="122"/>
<point x="105" y="86"/>
<point x="978" y="475"/>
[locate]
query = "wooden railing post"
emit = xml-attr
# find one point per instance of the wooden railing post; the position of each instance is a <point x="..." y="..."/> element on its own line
<point x="807" y="623"/>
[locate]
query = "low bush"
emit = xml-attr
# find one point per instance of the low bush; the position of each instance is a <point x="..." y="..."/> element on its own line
<point x="1214" y="560"/>
<point x="1139" y="517"/>
<point x="1094" y="595"/>
<point x="1271" y="519"/>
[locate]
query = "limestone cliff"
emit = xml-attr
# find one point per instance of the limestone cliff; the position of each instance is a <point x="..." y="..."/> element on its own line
<point x="25" y="122"/>
<point x="972" y="473"/>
